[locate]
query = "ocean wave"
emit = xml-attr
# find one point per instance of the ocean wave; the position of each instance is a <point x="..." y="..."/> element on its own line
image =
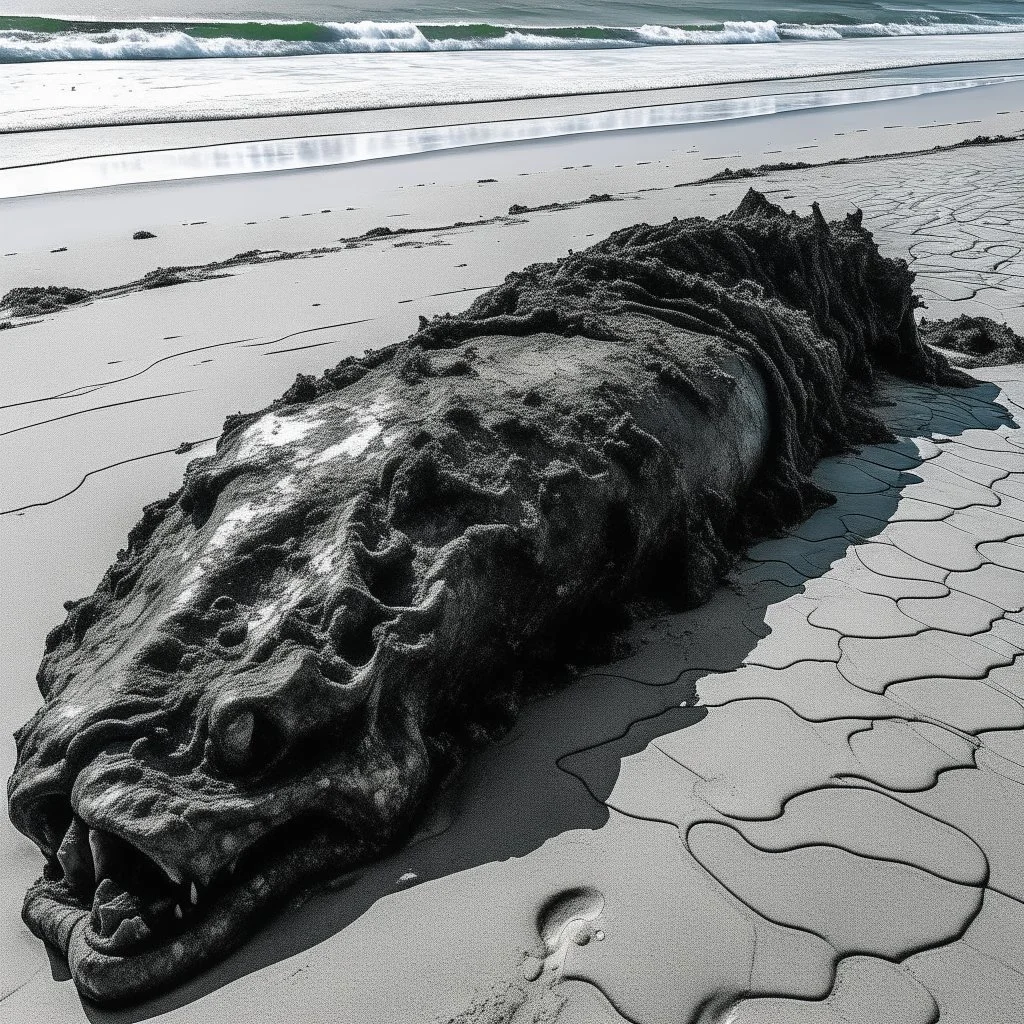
<point x="78" y="41"/>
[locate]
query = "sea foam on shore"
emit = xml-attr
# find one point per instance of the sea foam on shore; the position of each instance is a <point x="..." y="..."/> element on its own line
<point x="45" y="39"/>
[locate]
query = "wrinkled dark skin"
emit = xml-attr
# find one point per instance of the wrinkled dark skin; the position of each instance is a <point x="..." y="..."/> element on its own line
<point x="367" y="580"/>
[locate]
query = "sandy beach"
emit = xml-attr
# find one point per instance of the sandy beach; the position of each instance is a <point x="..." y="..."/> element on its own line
<point x="796" y="803"/>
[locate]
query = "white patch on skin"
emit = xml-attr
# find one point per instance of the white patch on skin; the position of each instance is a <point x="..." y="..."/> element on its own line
<point x="72" y="710"/>
<point x="104" y="799"/>
<point x="271" y="613"/>
<point x="263" y="618"/>
<point x="367" y="428"/>
<point x="273" y="431"/>
<point x="324" y="562"/>
<point x="353" y="446"/>
<point x="227" y="528"/>
<point x="231" y="522"/>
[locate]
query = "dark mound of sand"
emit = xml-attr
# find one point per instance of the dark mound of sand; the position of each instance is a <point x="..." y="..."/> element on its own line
<point x="37" y="301"/>
<point x="978" y="340"/>
<point x="369" y="578"/>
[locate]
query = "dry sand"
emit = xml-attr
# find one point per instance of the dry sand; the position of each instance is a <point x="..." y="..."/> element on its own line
<point x="804" y="793"/>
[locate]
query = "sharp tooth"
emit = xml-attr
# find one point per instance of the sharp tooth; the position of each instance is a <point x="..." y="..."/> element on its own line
<point x="194" y="894"/>
<point x="113" y="913"/>
<point x="100" y="855"/>
<point x="177" y="911"/>
<point x="75" y="858"/>
<point x="129" y="932"/>
<point x="172" y="873"/>
<point x="106" y="892"/>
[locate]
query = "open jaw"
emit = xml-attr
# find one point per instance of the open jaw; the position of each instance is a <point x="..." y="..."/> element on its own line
<point x="130" y="926"/>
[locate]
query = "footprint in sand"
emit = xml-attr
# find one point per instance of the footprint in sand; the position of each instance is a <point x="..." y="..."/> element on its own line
<point x="571" y="917"/>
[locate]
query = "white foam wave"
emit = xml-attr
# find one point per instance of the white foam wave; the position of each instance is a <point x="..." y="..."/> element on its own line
<point x="404" y="37"/>
<point x="730" y="32"/>
<point x="933" y="28"/>
<point x="138" y="43"/>
<point x="141" y="43"/>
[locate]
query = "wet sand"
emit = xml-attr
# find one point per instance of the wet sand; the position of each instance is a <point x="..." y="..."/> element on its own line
<point x="142" y="92"/>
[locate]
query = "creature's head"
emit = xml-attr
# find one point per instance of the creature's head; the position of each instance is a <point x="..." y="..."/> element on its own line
<point x="234" y="711"/>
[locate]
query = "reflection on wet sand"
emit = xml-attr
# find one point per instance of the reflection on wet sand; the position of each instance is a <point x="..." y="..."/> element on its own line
<point x="357" y="147"/>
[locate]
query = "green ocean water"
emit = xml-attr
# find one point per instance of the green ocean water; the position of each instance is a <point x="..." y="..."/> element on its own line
<point x="281" y="28"/>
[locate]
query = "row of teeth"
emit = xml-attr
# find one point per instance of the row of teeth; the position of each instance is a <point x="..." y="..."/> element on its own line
<point x="117" y="914"/>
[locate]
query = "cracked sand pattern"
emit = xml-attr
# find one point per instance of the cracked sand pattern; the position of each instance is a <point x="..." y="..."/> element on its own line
<point x="841" y="811"/>
<point x="962" y="233"/>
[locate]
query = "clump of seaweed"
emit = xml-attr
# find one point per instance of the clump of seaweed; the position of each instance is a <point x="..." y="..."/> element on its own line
<point x="141" y="235"/>
<point x="977" y="340"/>
<point x="518" y="209"/>
<point x="728" y="174"/>
<point x="754" y="172"/>
<point x="36" y="301"/>
<point x="164" y="277"/>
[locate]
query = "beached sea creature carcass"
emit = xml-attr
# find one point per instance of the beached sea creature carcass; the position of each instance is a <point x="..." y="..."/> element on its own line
<point x="368" y="578"/>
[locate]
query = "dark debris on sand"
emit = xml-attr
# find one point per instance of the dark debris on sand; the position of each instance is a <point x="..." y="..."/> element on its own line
<point x="35" y="301"/>
<point x="518" y="209"/>
<point x="761" y="170"/>
<point x="976" y="340"/>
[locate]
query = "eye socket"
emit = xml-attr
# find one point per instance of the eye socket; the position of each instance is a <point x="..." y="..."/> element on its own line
<point x="236" y="738"/>
<point x="246" y="742"/>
